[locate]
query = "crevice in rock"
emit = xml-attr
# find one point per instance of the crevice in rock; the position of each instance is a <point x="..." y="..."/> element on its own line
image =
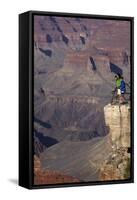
<point x="94" y="68"/>
<point x="82" y="40"/>
<point x="65" y="39"/>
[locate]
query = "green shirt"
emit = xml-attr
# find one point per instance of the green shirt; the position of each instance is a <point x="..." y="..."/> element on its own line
<point x="118" y="83"/>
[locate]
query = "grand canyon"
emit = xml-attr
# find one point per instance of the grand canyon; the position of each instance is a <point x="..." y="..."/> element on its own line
<point x="79" y="136"/>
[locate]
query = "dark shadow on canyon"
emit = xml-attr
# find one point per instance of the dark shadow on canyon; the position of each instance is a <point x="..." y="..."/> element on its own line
<point x="115" y="69"/>
<point x="45" y="140"/>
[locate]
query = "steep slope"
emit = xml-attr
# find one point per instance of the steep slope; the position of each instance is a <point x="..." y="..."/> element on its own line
<point x="49" y="176"/>
<point x="79" y="159"/>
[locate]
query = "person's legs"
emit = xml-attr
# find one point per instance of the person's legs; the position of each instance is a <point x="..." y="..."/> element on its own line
<point x="122" y="97"/>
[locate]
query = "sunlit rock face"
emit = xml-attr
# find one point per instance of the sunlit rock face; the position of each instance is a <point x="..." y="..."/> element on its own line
<point x="117" y="117"/>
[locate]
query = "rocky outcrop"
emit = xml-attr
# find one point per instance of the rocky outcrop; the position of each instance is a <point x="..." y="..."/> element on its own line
<point x="117" y="165"/>
<point x="117" y="118"/>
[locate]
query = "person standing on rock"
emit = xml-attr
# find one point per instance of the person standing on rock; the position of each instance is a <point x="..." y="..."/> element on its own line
<point x="118" y="84"/>
<point x="122" y="90"/>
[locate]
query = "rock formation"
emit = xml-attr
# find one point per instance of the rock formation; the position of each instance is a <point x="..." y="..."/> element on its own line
<point x="117" y="166"/>
<point x="117" y="118"/>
